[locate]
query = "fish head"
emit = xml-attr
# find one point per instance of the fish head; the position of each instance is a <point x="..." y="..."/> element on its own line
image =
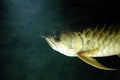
<point x="67" y="43"/>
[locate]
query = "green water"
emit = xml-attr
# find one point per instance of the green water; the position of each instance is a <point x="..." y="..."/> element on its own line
<point x="24" y="55"/>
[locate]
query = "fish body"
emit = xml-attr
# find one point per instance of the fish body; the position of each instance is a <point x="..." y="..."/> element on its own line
<point x="88" y="43"/>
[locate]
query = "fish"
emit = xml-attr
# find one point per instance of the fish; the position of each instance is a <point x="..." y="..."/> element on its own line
<point x="88" y="43"/>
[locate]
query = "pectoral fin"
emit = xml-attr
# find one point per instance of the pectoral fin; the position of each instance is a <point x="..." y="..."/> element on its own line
<point x="118" y="55"/>
<point x="93" y="62"/>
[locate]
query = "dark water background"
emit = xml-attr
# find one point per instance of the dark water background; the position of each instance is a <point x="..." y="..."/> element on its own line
<point x="24" y="55"/>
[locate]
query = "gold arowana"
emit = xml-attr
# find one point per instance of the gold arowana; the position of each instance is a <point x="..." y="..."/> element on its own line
<point x="88" y="43"/>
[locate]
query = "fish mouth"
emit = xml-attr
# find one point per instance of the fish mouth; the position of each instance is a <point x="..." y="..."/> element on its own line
<point x="52" y="41"/>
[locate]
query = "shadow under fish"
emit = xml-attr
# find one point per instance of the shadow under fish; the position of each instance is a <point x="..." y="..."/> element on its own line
<point x="88" y="44"/>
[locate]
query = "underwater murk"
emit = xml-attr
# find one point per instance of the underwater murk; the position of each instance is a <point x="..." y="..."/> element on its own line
<point x="86" y="44"/>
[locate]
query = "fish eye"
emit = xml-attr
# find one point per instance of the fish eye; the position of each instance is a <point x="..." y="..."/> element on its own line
<point x="57" y="36"/>
<point x="57" y="39"/>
